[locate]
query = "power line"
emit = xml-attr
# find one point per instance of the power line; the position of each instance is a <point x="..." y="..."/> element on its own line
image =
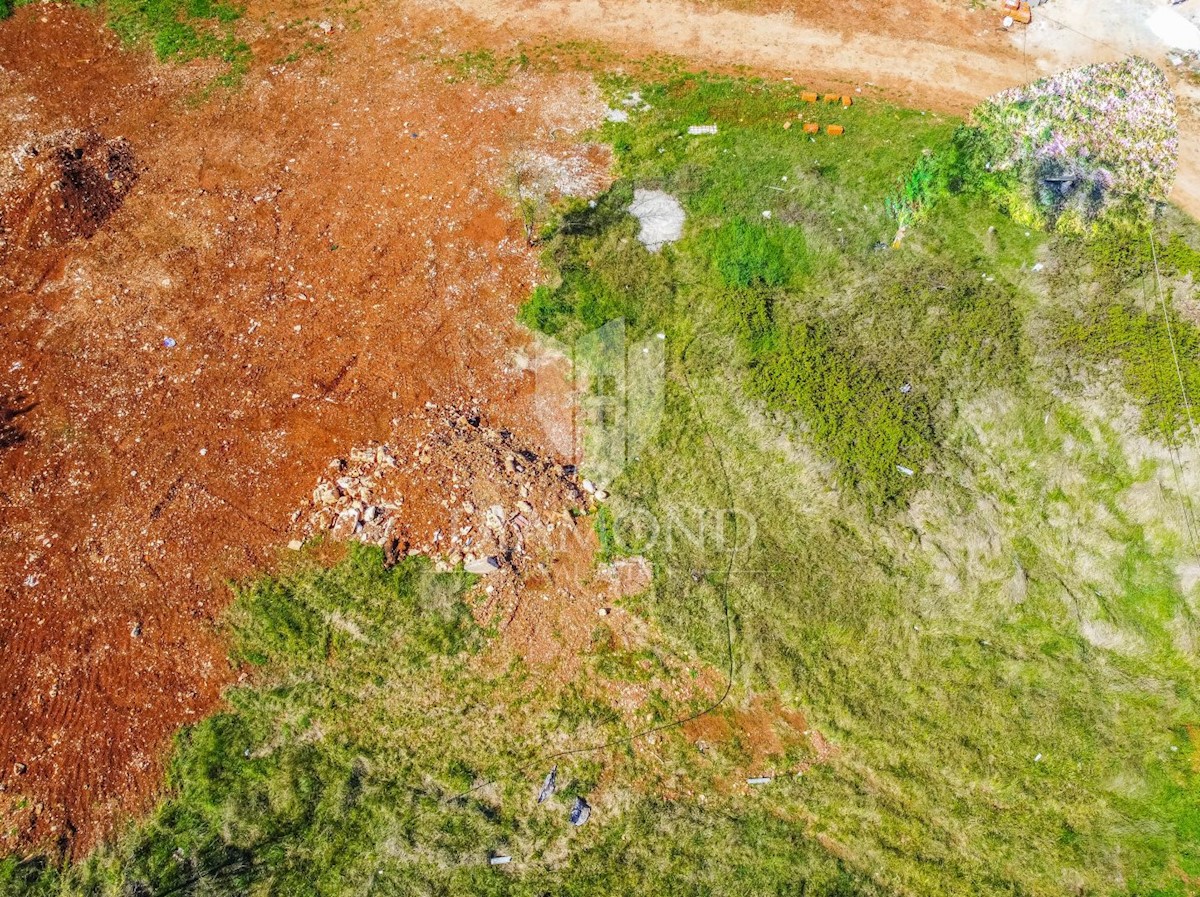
<point x="1172" y="449"/>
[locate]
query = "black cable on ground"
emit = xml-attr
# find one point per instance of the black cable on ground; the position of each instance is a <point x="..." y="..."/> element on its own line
<point x="542" y="760"/>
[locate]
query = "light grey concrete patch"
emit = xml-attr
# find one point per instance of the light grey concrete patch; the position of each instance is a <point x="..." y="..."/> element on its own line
<point x="661" y="217"/>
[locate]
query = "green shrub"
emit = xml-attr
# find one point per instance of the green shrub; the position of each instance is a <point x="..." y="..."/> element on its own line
<point x="866" y="426"/>
<point x="747" y="254"/>
<point x="1140" y="343"/>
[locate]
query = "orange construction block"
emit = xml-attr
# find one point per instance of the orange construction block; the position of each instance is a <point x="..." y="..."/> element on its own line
<point x="847" y="102"/>
<point x="811" y="127"/>
<point x="832" y="98"/>
<point x="1023" y="13"/>
<point x="835" y="130"/>
<point x="808" y="96"/>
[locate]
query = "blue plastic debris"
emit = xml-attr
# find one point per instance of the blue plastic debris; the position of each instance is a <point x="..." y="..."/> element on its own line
<point x="168" y="342"/>
<point x="549" y="785"/>
<point x="581" y="812"/>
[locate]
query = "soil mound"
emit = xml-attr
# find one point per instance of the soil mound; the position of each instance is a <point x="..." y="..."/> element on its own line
<point x="67" y="185"/>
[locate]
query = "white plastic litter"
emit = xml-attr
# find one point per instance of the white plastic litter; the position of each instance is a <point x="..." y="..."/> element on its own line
<point x="499" y="861"/>
<point x="581" y="812"/>
<point x="661" y="217"/>
<point x="759" y="780"/>
<point x="1174" y="30"/>
<point x="702" y="129"/>
<point x="904" y="471"/>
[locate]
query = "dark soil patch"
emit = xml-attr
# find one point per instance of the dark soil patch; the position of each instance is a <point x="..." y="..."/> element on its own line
<point x="74" y="182"/>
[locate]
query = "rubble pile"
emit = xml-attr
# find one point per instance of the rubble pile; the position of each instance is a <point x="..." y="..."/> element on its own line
<point x="460" y="491"/>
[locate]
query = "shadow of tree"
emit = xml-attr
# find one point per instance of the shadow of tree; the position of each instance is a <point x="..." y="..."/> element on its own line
<point x="13" y="407"/>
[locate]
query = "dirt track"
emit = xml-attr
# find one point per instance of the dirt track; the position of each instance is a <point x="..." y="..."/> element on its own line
<point x="298" y="265"/>
<point x="931" y="55"/>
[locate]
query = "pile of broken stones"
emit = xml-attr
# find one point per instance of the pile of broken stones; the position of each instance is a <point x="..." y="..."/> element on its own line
<point x="460" y="491"/>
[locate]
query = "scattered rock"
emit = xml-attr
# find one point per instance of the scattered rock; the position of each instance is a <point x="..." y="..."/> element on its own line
<point x="483" y="566"/>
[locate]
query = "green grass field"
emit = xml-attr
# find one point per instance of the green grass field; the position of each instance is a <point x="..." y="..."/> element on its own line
<point x="998" y="644"/>
<point x="998" y="648"/>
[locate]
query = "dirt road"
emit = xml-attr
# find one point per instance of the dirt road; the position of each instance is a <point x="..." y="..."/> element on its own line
<point x="939" y="56"/>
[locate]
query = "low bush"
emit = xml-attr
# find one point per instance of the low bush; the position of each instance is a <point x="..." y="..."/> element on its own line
<point x="1145" y="345"/>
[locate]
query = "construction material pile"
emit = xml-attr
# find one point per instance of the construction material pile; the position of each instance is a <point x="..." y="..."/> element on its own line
<point x="1065" y="150"/>
<point x="451" y="487"/>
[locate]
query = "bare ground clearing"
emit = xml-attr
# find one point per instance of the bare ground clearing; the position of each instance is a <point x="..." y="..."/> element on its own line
<point x="297" y="266"/>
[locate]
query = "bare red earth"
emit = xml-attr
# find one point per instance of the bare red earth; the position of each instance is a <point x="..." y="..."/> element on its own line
<point x="297" y="265"/>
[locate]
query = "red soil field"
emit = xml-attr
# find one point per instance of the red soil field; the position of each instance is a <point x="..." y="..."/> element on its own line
<point x="190" y="330"/>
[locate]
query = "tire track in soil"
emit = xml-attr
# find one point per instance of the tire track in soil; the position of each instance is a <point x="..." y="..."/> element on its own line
<point x="320" y="271"/>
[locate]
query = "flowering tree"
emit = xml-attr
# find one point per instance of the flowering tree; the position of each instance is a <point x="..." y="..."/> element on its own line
<point x="1065" y="150"/>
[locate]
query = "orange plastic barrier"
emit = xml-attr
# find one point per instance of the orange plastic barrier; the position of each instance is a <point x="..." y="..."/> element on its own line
<point x="835" y="130"/>
<point x="808" y="97"/>
<point x="811" y="127"/>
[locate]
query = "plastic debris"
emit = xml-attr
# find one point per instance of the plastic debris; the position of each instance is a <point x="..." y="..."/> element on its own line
<point x="500" y="860"/>
<point x="906" y="388"/>
<point x="581" y="812"/>
<point x="702" y="129"/>
<point x="1038" y="266"/>
<point x="168" y="342"/>
<point x="759" y="780"/>
<point x="549" y="785"/>
<point x="660" y="215"/>
<point x="904" y="471"/>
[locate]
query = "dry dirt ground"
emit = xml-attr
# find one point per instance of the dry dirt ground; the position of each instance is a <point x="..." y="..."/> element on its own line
<point x="295" y="268"/>
<point x="202" y="304"/>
